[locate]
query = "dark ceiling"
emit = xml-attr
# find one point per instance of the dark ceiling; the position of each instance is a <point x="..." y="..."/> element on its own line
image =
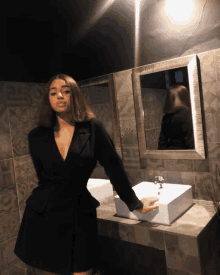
<point x="42" y="38"/>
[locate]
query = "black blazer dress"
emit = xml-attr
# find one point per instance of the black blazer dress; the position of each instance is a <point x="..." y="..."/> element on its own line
<point x="46" y="235"/>
<point x="176" y="131"/>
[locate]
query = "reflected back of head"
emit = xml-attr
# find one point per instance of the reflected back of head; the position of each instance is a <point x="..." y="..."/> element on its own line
<point x="178" y="98"/>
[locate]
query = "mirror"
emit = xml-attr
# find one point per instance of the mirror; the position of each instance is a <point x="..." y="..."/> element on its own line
<point x="165" y="127"/>
<point x="99" y="94"/>
<point x="166" y="130"/>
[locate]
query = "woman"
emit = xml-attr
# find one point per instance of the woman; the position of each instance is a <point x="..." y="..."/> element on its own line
<point x="58" y="233"/>
<point x="177" y="129"/>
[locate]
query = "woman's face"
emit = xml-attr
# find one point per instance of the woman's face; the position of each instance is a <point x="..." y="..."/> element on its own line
<point x="59" y="96"/>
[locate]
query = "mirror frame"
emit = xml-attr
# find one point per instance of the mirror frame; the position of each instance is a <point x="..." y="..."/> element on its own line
<point x="115" y="121"/>
<point x="192" y="68"/>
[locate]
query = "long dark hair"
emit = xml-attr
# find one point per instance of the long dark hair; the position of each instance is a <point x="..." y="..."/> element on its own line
<point x="80" y="109"/>
<point x="178" y="98"/>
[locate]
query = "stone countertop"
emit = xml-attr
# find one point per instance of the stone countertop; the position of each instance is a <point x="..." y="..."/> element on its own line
<point x="192" y="237"/>
<point x="190" y="223"/>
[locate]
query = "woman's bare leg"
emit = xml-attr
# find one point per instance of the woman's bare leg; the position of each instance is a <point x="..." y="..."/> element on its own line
<point x="88" y="272"/>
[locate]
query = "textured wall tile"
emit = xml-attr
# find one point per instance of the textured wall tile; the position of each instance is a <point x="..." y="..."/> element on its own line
<point x="213" y="150"/>
<point x="123" y="83"/>
<point x="208" y="72"/>
<point x="5" y="146"/>
<point x="26" y="180"/>
<point x="104" y="114"/>
<point x="18" y="94"/>
<point x="20" y="125"/>
<point x="177" y="257"/>
<point x="210" y="98"/>
<point x="10" y="263"/>
<point x="131" y="158"/>
<point x="126" y="233"/>
<point x="218" y="94"/>
<point x="5" y="137"/>
<point x="213" y="169"/>
<point x="128" y="132"/>
<point x="183" y="165"/>
<point x="109" y="228"/>
<point x="155" y="164"/>
<point x="150" y="238"/>
<point x="202" y="182"/>
<point x="126" y="107"/>
<point x="188" y="245"/>
<point x="201" y="165"/>
<point x="211" y="129"/>
<point x="188" y="178"/>
<point x="217" y="63"/>
<point x="174" y="177"/>
<point x="36" y="93"/>
<point x="217" y="121"/>
<point x="9" y="224"/>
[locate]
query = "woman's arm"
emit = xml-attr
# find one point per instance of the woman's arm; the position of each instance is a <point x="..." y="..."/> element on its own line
<point x="114" y="168"/>
<point x="162" y="143"/>
<point x="187" y="129"/>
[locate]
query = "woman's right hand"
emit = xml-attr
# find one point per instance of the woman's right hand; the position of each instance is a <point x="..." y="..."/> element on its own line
<point x="146" y="207"/>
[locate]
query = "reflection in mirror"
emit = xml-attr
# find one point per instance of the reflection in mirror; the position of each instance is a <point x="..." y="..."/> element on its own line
<point x="98" y="98"/>
<point x="167" y="110"/>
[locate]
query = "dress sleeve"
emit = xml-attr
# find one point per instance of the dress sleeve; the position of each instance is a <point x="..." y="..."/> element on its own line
<point x="36" y="161"/>
<point x="114" y="168"/>
<point x="187" y="128"/>
<point x="162" y="143"/>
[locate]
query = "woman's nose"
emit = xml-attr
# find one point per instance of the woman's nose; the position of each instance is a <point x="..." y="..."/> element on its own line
<point x="60" y="94"/>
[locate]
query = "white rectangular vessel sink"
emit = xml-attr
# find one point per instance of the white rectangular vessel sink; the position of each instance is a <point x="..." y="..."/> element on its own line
<point x="174" y="200"/>
<point x="100" y="189"/>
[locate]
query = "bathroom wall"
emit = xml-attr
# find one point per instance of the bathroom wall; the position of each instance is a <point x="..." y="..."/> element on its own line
<point x="18" y="112"/>
<point x="198" y="173"/>
<point x="98" y="98"/>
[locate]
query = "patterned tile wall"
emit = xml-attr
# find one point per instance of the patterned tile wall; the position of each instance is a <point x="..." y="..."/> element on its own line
<point x="18" y="113"/>
<point x="153" y="102"/>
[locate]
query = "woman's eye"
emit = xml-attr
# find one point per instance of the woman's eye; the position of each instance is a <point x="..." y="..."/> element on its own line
<point x="65" y="92"/>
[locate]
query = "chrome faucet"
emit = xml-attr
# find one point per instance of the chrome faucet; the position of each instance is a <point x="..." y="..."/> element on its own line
<point x="159" y="179"/>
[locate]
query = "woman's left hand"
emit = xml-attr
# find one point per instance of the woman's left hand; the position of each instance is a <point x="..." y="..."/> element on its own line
<point x="146" y="207"/>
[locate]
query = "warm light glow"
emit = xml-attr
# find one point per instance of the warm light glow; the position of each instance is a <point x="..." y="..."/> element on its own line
<point x="96" y="15"/>
<point x="171" y="19"/>
<point x="137" y="33"/>
<point x="179" y="12"/>
<point x="177" y="18"/>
